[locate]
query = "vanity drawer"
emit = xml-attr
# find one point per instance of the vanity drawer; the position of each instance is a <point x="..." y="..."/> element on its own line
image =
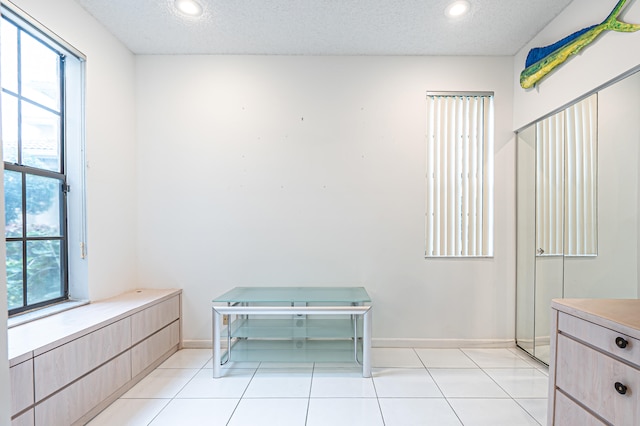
<point x="601" y="337"/>
<point x="568" y="412"/>
<point x="590" y="377"/>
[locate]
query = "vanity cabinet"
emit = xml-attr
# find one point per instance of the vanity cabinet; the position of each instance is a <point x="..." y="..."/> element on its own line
<point x="594" y="373"/>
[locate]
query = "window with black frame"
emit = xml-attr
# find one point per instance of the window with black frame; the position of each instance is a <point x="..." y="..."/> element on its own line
<point x="35" y="186"/>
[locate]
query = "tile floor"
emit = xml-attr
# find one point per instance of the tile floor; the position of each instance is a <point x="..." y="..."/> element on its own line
<point x="470" y="387"/>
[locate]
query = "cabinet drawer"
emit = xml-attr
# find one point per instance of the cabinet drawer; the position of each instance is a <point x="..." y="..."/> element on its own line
<point x="148" y="351"/>
<point x="569" y="413"/>
<point x="74" y="401"/>
<point x="589" y="376"/>
<point x="21" y="377"/>
<point x="62" y="365"/>
<point x="152" y="319"/>
<point x="600" y="337"/>
<point x="25" y="419"/>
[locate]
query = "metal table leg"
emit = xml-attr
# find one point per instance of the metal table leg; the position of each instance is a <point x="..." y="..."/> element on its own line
<point x="366" y="343"/>
<point x="216" y="344"/>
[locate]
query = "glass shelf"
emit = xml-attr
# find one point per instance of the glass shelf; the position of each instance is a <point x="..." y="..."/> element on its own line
<point x="348" y="295"/>
<point x="335" y="351"/>
<point x="292" y="328"/>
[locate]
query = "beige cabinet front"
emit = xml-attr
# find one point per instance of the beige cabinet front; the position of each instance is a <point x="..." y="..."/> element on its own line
<point x="609" y="341"/>
<point x="21" y="376"/>
<point x="71" y="403"/>
<point x="149" y="350"/>
<point x="570" y="413"/>
<point x="601" y="383"/>
<point x="62" y="365"/>
<point x="24" y="419"/>
<point x="148" y="321"/>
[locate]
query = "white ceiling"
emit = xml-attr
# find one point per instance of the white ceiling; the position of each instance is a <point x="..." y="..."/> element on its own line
<point x="325" y="27"/>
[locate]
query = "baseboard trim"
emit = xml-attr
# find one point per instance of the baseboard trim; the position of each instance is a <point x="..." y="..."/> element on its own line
<point x="399" y="343"/>
<point x="200" y="344"/>
<point x="442" y="343"/>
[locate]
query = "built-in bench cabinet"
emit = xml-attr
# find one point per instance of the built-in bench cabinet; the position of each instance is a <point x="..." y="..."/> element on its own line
<point x="66" y="368"/>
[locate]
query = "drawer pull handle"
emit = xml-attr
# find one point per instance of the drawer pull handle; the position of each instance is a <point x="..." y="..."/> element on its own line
<point x="620" y="388"/>
<point x="621" y="342"/>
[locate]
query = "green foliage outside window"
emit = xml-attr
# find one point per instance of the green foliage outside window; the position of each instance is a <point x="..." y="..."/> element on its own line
<point x="43" y="256"/>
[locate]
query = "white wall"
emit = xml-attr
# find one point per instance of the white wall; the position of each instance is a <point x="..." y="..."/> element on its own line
<point x="110" y="144"/>
<point x="612" y="54"/>
<point x="310" y="170"/>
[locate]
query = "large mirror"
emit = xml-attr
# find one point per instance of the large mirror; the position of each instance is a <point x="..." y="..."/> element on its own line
<point x="577" y="207"/>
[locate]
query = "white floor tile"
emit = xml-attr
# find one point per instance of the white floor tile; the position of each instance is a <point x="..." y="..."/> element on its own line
<point x="418" y="412"/>
<point x="195" y="412"/>
<point x="395" y="357"/>
<point x="466" y="383"/>
<point x="531" y="361"/>
<point x="347" y="365"/>
<point x="496" y="358"/>
<point x="280" y="383"/>
<point x="282" y="365"/>
<point x="509" y="389"/>
<point x="232" y="385"/>
<point x="161" y="383"/>
<point x="235" y="364"/>
<point x="266" y="411"/>
<point x="536" y="407"/>
<point x="404" y="382"/>
<point x="344" y="412"/>
<point x="445" y="358"/>
<point x="130" y="412"/>
<point x="188" y="358"/>
<point x="341" y="383"/>
<point x="521" y="382"/>
<point x="491" y="412"/>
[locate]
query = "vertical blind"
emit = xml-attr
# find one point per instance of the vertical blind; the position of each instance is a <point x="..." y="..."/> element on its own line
<point x="550" y="184"/>
<point x="459" y="175"/>
<point x="566" y="198"/>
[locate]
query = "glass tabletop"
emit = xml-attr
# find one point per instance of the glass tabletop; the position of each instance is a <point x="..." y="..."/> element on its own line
<point x="295" y="294"/>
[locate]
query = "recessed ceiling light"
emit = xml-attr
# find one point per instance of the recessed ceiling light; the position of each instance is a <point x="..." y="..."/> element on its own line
<point x="457" y="9"/>
<point x="189" y="7"/>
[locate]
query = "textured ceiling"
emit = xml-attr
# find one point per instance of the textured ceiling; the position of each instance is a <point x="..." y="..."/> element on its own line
<point x="325" y="27"/>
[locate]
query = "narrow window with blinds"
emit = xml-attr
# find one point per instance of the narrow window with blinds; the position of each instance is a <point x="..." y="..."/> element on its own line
<point x="459" y="175"/>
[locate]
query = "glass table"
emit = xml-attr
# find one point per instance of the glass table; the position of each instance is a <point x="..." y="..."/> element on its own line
<point x="293" y="324"/>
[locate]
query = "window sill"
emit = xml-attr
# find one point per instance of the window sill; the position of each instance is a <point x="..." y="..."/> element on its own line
<point x="29" y="316"/>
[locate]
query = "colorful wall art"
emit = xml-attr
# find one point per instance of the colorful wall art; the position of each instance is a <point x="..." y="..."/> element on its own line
<point x="542" y="60"/>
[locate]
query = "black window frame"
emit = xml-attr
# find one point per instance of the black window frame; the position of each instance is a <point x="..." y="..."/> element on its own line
<point x="24" y="170"/>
